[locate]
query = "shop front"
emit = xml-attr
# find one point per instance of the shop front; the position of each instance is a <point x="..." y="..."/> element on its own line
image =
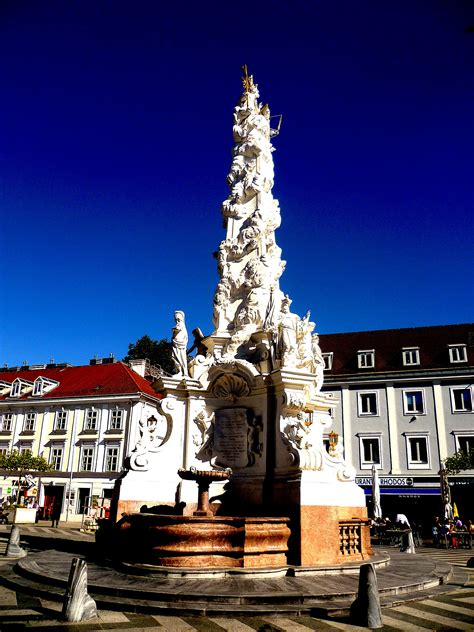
<point x="418" y="498"/>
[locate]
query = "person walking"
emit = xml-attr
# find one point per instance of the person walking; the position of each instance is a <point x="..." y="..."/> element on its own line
<point x="55" y="514"/>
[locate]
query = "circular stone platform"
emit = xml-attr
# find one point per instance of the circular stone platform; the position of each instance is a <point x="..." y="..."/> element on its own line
<point x="46" y="573"/>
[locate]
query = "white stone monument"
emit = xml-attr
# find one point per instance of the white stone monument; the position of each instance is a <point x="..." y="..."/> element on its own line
<point x="251" y="400"/>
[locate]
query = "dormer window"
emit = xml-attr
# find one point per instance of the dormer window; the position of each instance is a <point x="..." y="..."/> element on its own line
<point x="411" y="356"/>
<point x="21" y="387"/>
<point x="327" y="357"/>
<point x="38" y="388"/>
<point x="366" y="359"/>
<point x="43" y="385"/>
<point x="457" y="353"/>
<point x="16" y="388"/>
<point x="5" y="387"/>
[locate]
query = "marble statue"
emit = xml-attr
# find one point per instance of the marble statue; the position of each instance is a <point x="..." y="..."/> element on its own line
<point x="305" y="349"/>
<point x="288" y="332"/>
<point x="179" y="344"/>
<point x="318" y="360"/>
<point x="203" y="436"/>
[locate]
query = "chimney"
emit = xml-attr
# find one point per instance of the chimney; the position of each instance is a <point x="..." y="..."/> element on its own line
<point x="139" y="366"/>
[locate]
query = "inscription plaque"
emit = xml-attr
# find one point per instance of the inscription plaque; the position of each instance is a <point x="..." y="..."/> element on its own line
<point x="231" y="437"/>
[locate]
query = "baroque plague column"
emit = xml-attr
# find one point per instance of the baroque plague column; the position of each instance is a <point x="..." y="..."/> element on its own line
<point x="251" y="400"/>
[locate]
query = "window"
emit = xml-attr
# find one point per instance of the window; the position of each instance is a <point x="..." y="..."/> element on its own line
<point x="457" y="353"/>
<point x="326" y="443"/>
<point x="30" y="421"/>
<point x="367" y="404"/>
<point x="411" y="356"/>
<point x="43" y="385"/>
<point x="465" y="443"/>
<point x="21" y="387"/>
<point x="366" y="359"/>
<point x="16" y="388"/>
<point x="7" y="421"/>
<point x="418" y="452"/>
<point x="91" y="420"/>
<point x="56" y="457"/>
<point x="369" y="452"/>
<point x="38" y="388"/>
<point x="87" y="459"/>
<point x="461" y="400"/>
<point x="60" y="422"/>
<point x="116" y="419"/>
<point x="327" y="357"/>
<point x="414" y="402"/>
<point x="111" y="459"/>
<point x="3" y="448"/>
<point x="25" y="447"/>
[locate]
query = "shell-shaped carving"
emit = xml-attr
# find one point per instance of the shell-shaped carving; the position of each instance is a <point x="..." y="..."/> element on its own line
<point x="230" y="387"/>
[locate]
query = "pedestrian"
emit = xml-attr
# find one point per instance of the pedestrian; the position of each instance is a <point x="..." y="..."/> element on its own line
<point x="55" y="514"/>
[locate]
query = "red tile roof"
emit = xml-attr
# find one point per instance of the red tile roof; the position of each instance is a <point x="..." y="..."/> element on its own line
<point x="90" y="380"/>
<point x="388" y="343"/>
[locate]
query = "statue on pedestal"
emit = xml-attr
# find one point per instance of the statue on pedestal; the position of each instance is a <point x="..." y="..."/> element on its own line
<point x="179" y="344"/>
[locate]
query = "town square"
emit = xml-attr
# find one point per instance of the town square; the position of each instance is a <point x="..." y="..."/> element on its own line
<point x="289" y="442"/>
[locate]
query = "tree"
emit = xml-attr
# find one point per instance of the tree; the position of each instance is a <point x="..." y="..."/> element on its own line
<point x="157" y="351"/>
<point x="460" y="461"/>
<point x="21" y="463"/>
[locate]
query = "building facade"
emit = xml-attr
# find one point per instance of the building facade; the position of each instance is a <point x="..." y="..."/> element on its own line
<point x="405" y="403"/>
<point x="81" y="420"/>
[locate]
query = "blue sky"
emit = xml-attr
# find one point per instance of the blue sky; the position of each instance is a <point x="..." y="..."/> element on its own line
<point x="115" y="120"/>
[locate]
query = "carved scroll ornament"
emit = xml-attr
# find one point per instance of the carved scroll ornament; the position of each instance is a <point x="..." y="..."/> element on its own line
<point x="154" y="432"/>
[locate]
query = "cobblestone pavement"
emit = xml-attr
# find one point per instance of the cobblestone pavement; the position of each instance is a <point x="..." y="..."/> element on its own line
<point x="449" y="611"/>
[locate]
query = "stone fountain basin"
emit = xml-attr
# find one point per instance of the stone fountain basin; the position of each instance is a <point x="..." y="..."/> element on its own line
<point x="202" y="541"/>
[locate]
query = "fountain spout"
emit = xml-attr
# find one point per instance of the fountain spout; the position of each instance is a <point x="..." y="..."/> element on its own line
<point x="204" y="478"/>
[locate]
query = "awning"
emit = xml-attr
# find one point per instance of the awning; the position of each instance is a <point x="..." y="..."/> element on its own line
<point x="406" y="491"/>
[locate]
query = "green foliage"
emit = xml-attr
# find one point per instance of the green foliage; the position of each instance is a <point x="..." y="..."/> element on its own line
<point x="21" y="462"/>
<point x="459" y="462"/>
<point x="157" y="351"/>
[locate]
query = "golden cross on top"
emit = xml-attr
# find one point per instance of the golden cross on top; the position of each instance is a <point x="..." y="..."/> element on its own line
<point x="246" y="79"/>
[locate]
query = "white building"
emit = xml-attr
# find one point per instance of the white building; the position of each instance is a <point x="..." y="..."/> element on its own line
<point x="80" y="419"/>
<point x="405" y="405"/>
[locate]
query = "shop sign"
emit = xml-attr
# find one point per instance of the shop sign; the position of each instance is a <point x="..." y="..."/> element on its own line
<point x="386" y="481"/>
<point x="461" y="481"/>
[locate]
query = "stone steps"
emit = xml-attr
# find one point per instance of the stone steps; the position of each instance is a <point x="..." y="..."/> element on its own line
<point x="323" y="596"/>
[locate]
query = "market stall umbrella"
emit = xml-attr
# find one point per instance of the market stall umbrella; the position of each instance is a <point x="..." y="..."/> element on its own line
<point x="376" y="493"/>
<point x="446" y="494"/>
